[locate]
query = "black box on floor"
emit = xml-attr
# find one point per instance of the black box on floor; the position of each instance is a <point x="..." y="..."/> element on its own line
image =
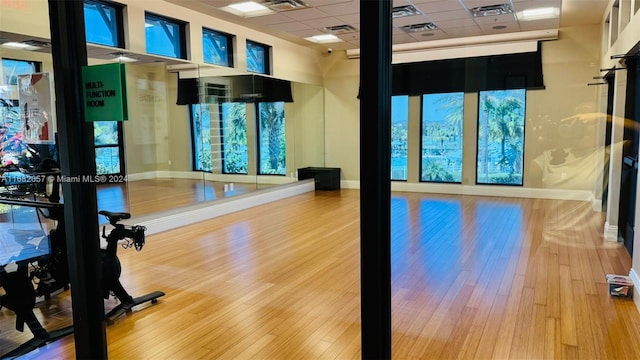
<point x="326" y="178"/>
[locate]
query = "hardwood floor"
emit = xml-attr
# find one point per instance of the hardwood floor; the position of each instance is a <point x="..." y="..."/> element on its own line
<point x="472" y="278"/>
<point x="143" y="197"/>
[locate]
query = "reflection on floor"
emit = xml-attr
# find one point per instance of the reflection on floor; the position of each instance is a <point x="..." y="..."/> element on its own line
<point x="153" y="195"/>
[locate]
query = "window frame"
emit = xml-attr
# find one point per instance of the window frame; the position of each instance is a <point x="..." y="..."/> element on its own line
<point x="224" y="141"/>
<point x="182" y="38"/>
<point x="266" y="58"/>
<point x="119" y="19"/>
<point x="406" y="144"/>
<point x="524" y="127"/>
<point x="259" y="139"/>
<point x="230" y="46"/>
<point x="420" y="168"/>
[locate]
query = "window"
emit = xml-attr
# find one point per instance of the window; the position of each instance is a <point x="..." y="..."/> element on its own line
<point x="165" y="36"/>
<point x="103" y="23"/>
<point x="234" y="138"/>
<point x="217" y="48"/>
<point x="501" y="137"/>
<point x="271" y="138"/>
<point x="257" y="57"/>
<point x="107" y="135"/>
<point x="201" y="127"/>
<point x="9" y="107"/>
<point x="12" y="68"/>
<point x="399" y="136"/>
<point x="442" y="119"/>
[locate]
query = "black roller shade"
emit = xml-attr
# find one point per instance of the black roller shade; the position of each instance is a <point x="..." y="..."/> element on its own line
<point x="496" y="72"/>
<point x="187" y="91"/>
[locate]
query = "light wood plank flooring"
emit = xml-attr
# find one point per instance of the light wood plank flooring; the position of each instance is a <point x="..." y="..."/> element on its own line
<point x="143" y="197"/>
<point x="472" y="278"/>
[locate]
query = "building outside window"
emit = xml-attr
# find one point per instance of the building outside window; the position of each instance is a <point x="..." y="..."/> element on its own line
<point x="217" y="47"/>
<point x="442" y="120"/>
<point x="271" y="138"/>
<point x="501" y="137"/>
<point x="234" y="138"/>
<point x="399" y="136"/>
<point x="201" y="127"/>
<point x="103" y="23"/>
<point x="165" y="36"/>
<point x="258" y="57"/>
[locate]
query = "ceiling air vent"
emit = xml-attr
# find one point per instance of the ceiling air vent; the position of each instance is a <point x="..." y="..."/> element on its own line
<point x="491" y="10"/>
<point x="339" y="29"/>
<point x="285" y="5"/>
<point x="402" y="11"/>
<point x="37" y="43"/>
<point x="419" y="27"/>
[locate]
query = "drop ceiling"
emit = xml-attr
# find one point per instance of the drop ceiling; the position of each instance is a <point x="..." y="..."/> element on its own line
<point x="437" y="20"/>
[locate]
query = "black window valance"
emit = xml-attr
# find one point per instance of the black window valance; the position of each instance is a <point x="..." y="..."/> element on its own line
<point x="495" y="72"/>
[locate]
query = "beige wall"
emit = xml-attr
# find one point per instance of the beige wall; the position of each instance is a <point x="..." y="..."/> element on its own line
<point x="569" y="63"/>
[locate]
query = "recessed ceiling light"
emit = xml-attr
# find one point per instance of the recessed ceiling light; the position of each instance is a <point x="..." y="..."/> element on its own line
<point x="122" y="57"/>
<point x="323" y="38"/>
<point x="491" y="10"/>
<point x="24" y="45"/>
<point x="538" y="14"/>
<point x="247" y="8"/>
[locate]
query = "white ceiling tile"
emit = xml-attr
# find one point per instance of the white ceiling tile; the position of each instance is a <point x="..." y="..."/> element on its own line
<point x="449" y="15"/>
<point x="402" y="39"/>
<point x="306" y="33"/>
<point x="291" y="26"/>
<point x="349" y="18"/>
<point x="410" y="20"/>
<point x="268" y="19"/>
<point x="456" y="23"/>
<point x="341" y="8"/>
<point x="439" y="6"/>
<point x="430" y="35"/>
<point x="463" y="31"/>
<point x="304" y="14"/>
<point x="397" y="3"/>
<point x="496" y="19"/>
<point x="328" y="21"/>
<point x="316" y="3"/>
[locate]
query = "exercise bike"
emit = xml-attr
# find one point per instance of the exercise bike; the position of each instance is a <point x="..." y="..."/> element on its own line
<point x="111" y="269"/>
<point x="21" y="295"/>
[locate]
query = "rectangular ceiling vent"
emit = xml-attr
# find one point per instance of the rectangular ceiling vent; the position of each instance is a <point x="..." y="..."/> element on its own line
<point x="339" y="29"/>
<point x="285" y="5"/>
<point x="419" y="27"/>
<point x="491" y="10"/>
<point x="402" y="11"/>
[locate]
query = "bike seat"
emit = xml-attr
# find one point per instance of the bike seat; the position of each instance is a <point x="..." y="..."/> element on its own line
<point x="114" y="217"/>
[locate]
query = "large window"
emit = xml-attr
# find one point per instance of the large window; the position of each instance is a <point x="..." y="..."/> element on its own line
<point x="258" y="57"/>
<point x="234" y="138"/>
<point x="501" y="136"/>
<point x="442" y="119"/>
<point x="165" y="36"/>
<point x="201" y="127"/>
<point x="271" y="138"/>
<point x="103" y="23"/>
<point x="217" y="48"/>
<point x="399" y="136"/>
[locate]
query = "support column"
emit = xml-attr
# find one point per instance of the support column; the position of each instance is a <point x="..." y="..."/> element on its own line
<point x="375" y="184"/>
<point x="77" y="157"/>
<point x="615" y="156"/>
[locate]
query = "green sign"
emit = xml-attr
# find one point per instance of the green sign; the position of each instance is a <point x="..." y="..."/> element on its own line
<point x="104" y="92"/>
